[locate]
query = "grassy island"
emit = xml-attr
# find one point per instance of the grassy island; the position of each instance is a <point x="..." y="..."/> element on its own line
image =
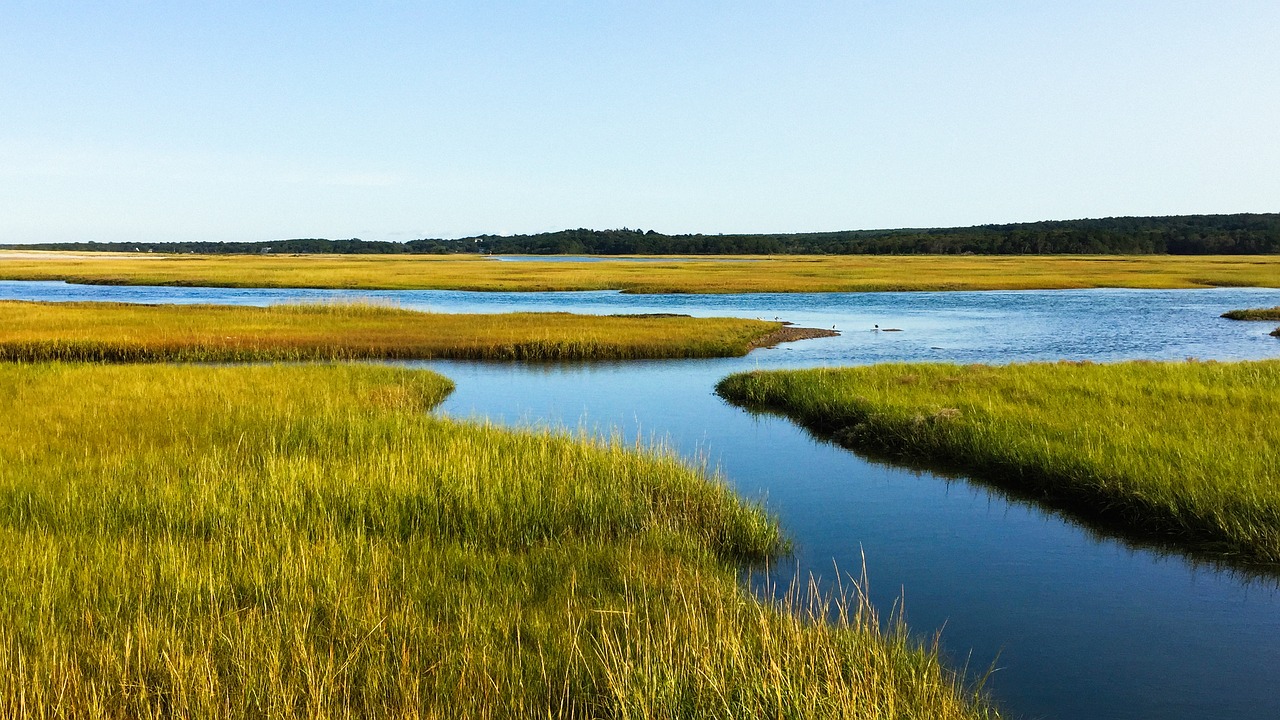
<point x="307" y="541"/>
<point x="1271" y="314"/>
<point x="121" y="332"/>
<point x="1265" y="314"/>
<point x="1184" y="452"/>
<point x="702" y="274"/>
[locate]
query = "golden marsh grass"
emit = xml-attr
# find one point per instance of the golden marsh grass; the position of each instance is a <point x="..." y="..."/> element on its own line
<point x="1184" y="451"/>
<point x="723" y="275"/>
<point x="306" y="541"/>
<point x="123" y="332"/>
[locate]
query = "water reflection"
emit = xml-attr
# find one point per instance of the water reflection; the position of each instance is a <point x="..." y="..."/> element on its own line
<point x="1083" y="626"/>
<point x="1100" y="528"/>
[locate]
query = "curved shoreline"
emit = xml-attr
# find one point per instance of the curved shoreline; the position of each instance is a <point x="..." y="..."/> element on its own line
<point x="973" y="420"/>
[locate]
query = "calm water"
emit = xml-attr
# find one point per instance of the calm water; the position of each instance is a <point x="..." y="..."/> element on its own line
<point x="1080" y="626"/>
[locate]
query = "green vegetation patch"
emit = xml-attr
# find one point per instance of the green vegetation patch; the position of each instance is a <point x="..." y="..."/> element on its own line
<point x="1272" y="314"/>
<point x="307" y="541"/>
<point x="121" y="332"/>
<point x="1186" y="451"/>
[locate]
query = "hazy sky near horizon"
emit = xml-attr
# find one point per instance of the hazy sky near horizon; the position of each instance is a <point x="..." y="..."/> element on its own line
<point x="152" y="121"/>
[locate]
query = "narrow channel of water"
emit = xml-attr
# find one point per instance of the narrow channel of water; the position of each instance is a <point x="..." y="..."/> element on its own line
<point x="1080" y="626"/>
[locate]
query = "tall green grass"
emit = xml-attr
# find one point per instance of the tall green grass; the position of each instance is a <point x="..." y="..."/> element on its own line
<point x="1183" y="451"/>
<point x="119" y="332"/>
<point x="306" y="541"/>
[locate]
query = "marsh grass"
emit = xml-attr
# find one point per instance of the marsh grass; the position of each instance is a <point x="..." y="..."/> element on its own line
<point x="122" y="332"/>
<point x="1253" y="314"/>
<point x="1183" y="451"/>
<point x="306" y="541"/>
<point x="765" y="274"/>
<point x="1256" y="314"/>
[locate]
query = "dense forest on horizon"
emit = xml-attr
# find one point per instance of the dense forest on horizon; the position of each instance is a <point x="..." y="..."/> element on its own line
<point x="1240" y="234"/>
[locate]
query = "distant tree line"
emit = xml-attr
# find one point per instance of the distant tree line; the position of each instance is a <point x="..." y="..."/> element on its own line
<point x="1254" y="234"/>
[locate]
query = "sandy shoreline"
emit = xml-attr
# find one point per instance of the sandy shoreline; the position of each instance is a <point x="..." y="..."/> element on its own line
<point x="791" y="333"/>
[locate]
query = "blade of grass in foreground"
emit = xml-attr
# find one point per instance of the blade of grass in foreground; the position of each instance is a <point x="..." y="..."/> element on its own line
<point x="306" y="541"/>
<point x="1187" y="452"/>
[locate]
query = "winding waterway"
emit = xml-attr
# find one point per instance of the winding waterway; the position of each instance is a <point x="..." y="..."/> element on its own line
<point x="1078" y="625"/>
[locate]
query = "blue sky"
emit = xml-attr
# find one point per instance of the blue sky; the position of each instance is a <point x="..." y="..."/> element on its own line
<point x="157" y="121"/>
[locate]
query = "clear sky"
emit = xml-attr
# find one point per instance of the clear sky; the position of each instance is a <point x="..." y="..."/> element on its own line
<point x="157" y="121"/>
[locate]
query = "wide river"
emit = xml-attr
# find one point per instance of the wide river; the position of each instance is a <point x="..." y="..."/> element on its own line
<point x="1077" y="625"/>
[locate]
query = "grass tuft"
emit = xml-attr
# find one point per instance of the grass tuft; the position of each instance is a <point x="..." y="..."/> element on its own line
<point x="1253" y="314"/>
<point x="1256" y="314"/>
